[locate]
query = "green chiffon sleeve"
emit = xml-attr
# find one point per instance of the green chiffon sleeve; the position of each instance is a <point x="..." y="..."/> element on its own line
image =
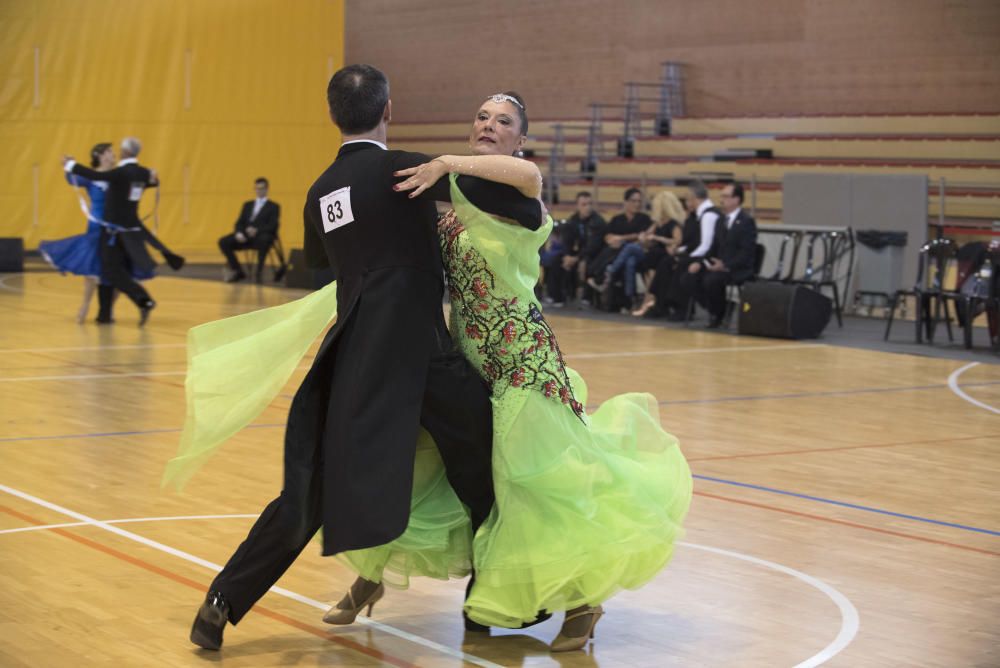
<point x="236" y="367"/>
<point x="511" y="250"/>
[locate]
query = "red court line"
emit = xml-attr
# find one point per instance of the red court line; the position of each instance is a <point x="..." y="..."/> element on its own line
<point x="853" y="525"/>
<point x="200" y="587"/>
<point x="837" y="449"/>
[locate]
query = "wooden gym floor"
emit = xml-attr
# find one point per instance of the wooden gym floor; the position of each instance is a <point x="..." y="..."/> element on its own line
<point x="846" y="510"/>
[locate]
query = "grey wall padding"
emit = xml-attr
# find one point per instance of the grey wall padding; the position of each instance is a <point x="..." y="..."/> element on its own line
<point x="896" y="202"/>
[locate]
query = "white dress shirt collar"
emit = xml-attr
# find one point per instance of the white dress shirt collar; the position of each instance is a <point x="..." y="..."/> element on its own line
<point x="704" y="206"/>
<point x="370" y="141"/>
<point x="128" y="161"/>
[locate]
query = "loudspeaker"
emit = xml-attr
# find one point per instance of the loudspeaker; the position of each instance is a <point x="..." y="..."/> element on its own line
<point x="299" y="275"/>
<point x="783" y="311"/>
<point x="11" y="255"/>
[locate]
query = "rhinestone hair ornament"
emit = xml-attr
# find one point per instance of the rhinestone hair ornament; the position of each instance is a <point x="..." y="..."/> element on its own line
<point x="501" y="97"/>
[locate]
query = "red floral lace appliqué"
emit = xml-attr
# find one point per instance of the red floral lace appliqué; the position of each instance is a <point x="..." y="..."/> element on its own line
<point x="515" y="342"/>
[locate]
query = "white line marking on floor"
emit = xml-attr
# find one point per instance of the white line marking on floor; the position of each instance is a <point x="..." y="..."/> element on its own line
<point x="849" y="620"/>
<point x="430" y="644"/>
<point x="43" y="527"/>
<point x="953" y="385"/>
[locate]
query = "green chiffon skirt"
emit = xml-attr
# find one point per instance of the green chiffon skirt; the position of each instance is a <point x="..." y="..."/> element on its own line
<point x="585" y="507"/>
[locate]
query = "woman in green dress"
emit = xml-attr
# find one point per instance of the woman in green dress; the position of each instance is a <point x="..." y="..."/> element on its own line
<point x="586" y="503"/>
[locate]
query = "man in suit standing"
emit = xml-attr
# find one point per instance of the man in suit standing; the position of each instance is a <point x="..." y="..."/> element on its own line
<point x="123" y="236"/>
<point x="733" y="254"/>
<point x="257" y="228"/>
<point x="386" y="368"/>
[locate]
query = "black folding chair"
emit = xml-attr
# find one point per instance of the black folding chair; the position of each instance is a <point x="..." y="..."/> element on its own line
<point x="980" y="293"/>
<point x="275" y="260"/>
<point x="930" y="298"/>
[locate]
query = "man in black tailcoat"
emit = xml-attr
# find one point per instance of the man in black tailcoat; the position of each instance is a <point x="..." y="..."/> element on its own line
<point x="385" y="369"/>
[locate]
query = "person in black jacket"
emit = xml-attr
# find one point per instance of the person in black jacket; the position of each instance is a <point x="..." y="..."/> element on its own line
<point x="256" y="227"/>
<point x="731" y="260"/>
<point x="123" y="237"/>
<point x="386" y="368"/>
<point x="582" y="237"/>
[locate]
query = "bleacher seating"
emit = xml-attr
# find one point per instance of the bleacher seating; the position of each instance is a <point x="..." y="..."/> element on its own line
<point x="961" y="150"/>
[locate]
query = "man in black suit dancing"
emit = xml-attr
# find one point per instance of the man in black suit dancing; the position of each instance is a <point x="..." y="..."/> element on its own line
<point x="385" y="369"/>
<point x="257" y="228"/>
<point x="123" y="236"/>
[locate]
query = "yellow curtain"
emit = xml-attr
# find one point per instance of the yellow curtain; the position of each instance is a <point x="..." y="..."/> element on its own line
<point x="218" y="91"/>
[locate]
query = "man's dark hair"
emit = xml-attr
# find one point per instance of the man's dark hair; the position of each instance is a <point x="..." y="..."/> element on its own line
<point x="698" y="189"/>
<point x="630" y="192"/>
<point x="357" y="96"/>
<point x="738" y="192"/>
<point x="261" y="179"/>
<point x="95" y="153"/>
<point x="583" y="193"/>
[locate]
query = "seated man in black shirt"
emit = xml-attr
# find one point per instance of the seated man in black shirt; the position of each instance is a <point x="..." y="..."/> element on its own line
<point x="623" y="228"/>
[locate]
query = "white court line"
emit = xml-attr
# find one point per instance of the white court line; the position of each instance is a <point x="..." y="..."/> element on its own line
<point x="87" y="376"/>
<point x="848" y="613"/>
<point x="91" y="376"/>
<point x="138" y="346"/>
<point x="430" y="644"/>
<point x="43" y="527"/>
<point x="953" y="386"/>
<point x="849" y="619"/>
<point x="688" y="351"/>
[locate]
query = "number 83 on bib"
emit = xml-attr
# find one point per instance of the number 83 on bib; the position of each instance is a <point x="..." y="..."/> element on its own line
<point x="335" y="209"/>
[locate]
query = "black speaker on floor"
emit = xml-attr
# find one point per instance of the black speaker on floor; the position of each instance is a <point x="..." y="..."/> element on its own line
<point x="783" y="311"/>
<point x="11" y="255"/>
<point x="299" y="275"/>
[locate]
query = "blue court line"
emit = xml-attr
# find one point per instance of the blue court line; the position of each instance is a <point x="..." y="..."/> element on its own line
<point x="118" y="433"/>
<point x="844" y="504"/>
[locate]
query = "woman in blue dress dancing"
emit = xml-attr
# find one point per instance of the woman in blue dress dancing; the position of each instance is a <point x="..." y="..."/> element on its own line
<point x="80" y="254"/>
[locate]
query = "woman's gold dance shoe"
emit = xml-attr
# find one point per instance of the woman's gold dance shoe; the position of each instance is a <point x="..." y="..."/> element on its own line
<point x="567" y="643"/>
<point x="347" y="615"/>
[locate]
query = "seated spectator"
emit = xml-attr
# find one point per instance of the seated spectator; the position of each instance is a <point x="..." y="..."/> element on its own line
<point x="581" y="237"/>
<point x="731" y="260"/>
<point x="644" y="254"/>
<point x="691" y="254"/>
<point x="668" y="213"/>
<point x="660" y="290"/>
<point x="623" y="228"/>
<point x="257" y="228"/>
